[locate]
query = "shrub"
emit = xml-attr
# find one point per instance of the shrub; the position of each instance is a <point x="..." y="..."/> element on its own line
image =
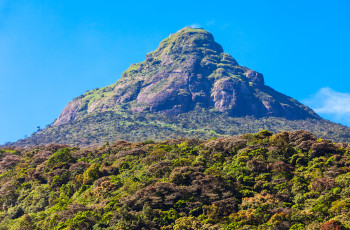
<point x="91" y="174"/>
<point x="331" y="225"/>
<point x="62" y="156"/>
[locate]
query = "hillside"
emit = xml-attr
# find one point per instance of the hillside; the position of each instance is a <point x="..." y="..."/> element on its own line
<point x="289" y="180"/>
<point x="97" y="128"/>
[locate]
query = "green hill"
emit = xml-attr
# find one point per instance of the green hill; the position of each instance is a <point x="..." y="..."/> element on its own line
<point x="289" y="180"/>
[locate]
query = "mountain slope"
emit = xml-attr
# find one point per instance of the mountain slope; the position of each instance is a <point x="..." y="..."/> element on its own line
<point x="188" y="69"/>
<point x="99" y="128"/>
<point x="188" y="87"/>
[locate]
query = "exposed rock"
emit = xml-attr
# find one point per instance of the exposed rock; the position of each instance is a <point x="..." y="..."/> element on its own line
<point x="188" y="69"/>
<point x="70" y="112"/>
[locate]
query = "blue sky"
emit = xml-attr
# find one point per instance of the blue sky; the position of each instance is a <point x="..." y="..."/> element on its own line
<point x="53" y="51"/>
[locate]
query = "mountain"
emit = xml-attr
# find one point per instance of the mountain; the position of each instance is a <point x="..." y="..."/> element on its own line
<point x="187" y="87"/>
<point x="289" y="180"/>
<point x="188" y="69"/>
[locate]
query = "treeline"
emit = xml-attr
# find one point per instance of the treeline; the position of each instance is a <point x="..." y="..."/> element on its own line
<point x="96" y="128"/>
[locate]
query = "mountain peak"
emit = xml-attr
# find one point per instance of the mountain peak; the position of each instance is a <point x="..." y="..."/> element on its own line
<point x="188" y="40"/>
<point x="188" y="70"/>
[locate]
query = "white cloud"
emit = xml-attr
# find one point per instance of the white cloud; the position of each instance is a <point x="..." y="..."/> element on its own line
<point x="196" y="26"/>
<point x="331" y="104"/>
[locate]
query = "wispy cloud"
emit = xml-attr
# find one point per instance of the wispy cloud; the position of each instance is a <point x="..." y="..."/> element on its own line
<point x="331" y="104"/>
<point x="195" y="25"/>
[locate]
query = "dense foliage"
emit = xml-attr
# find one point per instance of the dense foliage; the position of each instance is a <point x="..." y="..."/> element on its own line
<point x="96" y="129"/>
<point x="289" y="180"/>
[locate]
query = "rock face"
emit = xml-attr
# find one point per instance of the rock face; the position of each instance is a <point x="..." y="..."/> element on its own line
<point x="187" y="70"/>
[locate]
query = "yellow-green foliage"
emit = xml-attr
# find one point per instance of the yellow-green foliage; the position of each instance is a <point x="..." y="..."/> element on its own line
<point x="60" y="157"/>
<point x="262" y="180"/>
<point x="91" y="174"/>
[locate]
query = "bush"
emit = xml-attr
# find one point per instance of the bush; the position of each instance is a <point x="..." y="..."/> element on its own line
<point x="62" y="156"/>
<point x="91" y="174"/>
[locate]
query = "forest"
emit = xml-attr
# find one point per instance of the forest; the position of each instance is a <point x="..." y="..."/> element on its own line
<point x="287" y="180"/>
<point x="95" y="129"/>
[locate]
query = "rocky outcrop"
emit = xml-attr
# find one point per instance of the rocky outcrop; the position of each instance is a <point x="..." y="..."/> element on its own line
<point x="70" y="112"/>
<point x="187" y="70"/>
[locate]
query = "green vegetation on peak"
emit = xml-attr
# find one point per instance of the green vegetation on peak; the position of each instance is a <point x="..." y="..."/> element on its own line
<point x="187" y="40"/>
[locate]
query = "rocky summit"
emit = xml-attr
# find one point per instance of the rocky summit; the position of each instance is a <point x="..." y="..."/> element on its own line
<point x="187" y="70"/>
<point x="188" y="87"/>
